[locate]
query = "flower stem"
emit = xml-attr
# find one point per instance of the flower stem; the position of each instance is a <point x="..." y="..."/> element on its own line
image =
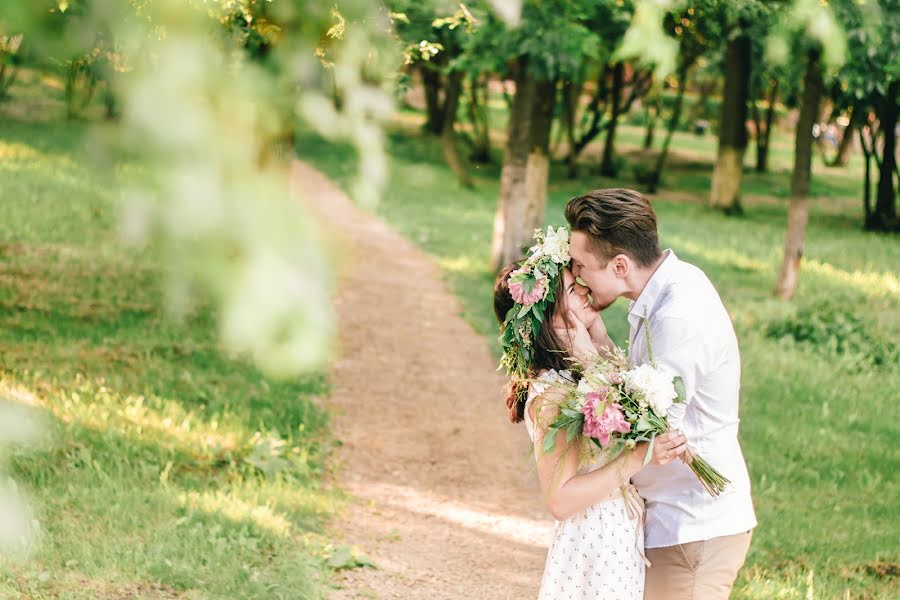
<point x="713" y="481"/>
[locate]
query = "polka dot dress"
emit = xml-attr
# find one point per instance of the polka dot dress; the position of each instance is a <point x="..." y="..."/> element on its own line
<point x="593" y="554"/>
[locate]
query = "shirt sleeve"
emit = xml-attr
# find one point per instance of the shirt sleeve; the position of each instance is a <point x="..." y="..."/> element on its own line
<point x="678" y="349"/>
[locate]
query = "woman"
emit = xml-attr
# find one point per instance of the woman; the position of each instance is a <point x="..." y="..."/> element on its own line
<point x="597" y="547"/>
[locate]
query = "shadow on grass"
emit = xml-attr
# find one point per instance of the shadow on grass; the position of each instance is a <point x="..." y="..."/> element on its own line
<point x="118" y="510"/>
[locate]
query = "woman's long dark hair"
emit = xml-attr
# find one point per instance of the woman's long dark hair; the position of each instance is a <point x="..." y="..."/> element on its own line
<point x="549" y="349"/>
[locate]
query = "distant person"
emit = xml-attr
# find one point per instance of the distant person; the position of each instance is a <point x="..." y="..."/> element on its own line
<point x="701" y="126"/>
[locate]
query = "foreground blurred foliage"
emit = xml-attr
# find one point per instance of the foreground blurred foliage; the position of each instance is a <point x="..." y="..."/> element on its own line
<point x="204" y="98"/>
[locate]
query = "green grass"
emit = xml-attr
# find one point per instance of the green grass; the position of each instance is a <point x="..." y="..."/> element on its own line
<point x="819" y="429"/>
<point x="167" y="467"/>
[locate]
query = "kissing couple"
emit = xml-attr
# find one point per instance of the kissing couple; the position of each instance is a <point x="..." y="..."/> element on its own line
<point x="633" y="525"/>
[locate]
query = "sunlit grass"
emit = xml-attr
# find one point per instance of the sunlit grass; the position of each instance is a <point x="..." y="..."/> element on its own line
<point x="168" y="468"/>
<point x="867" y="283"/>
<point x="818" y="431"/>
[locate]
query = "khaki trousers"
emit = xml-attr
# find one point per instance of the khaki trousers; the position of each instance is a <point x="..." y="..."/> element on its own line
<point x="703" y="570"/>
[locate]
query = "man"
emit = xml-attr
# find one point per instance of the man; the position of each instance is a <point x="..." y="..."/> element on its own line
<point x="696" y="542"/>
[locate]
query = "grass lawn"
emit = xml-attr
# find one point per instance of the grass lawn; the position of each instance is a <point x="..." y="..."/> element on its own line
<point x="820" y="419"/>
<point x="168" y="469"/>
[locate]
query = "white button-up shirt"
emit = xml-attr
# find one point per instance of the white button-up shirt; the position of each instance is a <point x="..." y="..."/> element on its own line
<point x="692" y="336"/>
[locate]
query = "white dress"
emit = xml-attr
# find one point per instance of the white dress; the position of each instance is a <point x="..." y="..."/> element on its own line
<point x="595" y="554"/>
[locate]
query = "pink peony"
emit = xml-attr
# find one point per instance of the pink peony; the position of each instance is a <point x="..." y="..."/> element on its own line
<point x="518" y="293"/>
<point x="611" y="420"/>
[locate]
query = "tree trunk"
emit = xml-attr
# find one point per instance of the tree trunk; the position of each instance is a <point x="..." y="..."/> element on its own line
<point x="81" y="82"/>
<point x="652" y="116"/>
<point x="571" y="93"/>
<point x="798" y="211"/>
<point x="7" y="76"/>
<point x="71" y="75"/>
<point x="538" y="168"/>
<point x="607" y="165"/>
<point x="448" y="135"/>
<point x="478" y="116"/>
<point x="757" y="129"/>
<point x="640" y="84"/>
<point x="434" y="107"/>
<point x="656" y="175"/>
<point x="562" y="130"/>
<point x="596" y="109"/>
<point x="846" y="144"/>
<point x="507" y="97"/>
<point x="510" y="233"/>
<point x="867" y="183"/>
<point x="10" y="46"/>
<point x="110" y="99"/>
<point x="763" y="136"/>
<point x="523" y="178"/>
<point x="884" y="218"/>
<point x="726" y="179"/>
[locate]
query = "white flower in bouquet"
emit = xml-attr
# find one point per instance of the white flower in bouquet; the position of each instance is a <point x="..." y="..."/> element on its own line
<point x="584" y="387"/>
<point x="657" y="387"/>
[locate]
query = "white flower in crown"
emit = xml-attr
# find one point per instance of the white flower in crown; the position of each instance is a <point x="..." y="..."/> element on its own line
<point x="657" y="387"/>
<point x="554" y="245"/>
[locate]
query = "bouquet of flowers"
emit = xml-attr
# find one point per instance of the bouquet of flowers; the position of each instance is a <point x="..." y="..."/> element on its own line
<point x="616" y="405"/>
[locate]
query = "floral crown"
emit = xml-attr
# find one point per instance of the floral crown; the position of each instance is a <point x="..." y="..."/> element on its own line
<point x="532" y="286"/>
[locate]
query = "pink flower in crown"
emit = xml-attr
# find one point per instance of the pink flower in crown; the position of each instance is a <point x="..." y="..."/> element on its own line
<point x="602" y="419"/>
<point x="518" y="293"/>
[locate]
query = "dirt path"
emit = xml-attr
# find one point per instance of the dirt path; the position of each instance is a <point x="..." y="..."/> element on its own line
<point x="446" y="498"/>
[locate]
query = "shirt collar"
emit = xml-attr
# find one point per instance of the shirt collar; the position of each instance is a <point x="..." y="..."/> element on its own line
<point x="646" y="302"/>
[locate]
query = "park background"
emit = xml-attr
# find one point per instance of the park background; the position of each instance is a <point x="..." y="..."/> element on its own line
<point x="219" y="375"/>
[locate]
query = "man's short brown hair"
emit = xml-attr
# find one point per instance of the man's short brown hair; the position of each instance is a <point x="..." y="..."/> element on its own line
<point x="618" y="221"/>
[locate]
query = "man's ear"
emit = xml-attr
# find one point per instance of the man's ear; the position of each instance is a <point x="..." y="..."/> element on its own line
<point x="621" y="266"/>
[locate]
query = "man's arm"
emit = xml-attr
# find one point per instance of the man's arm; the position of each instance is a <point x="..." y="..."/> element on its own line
<point x="676" y="347"/>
